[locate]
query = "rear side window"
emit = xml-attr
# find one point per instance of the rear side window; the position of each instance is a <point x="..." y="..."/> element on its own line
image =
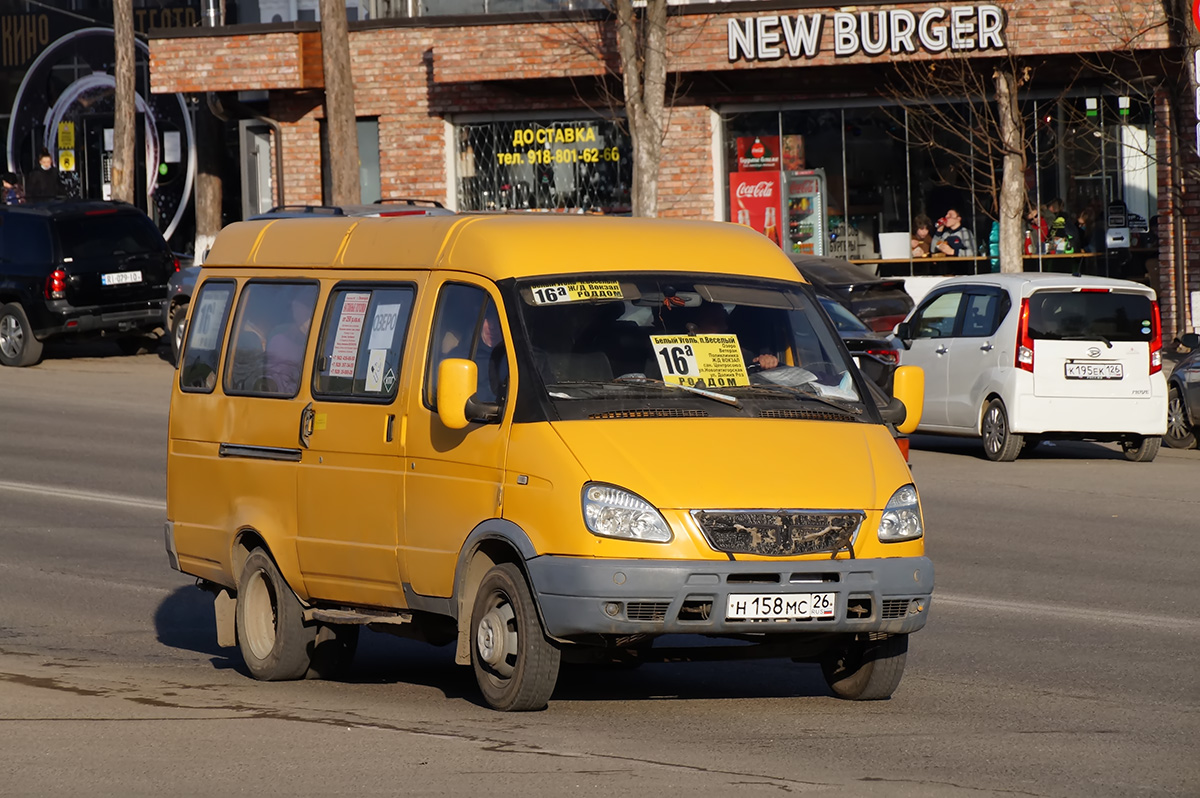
<point x="269" y="339"/>
<point x="205" y="335"/>
<point x="1090" y="315"/>
<point x="106" y="234"/>
<point x="983" y="314"/>
<point x="362" y="342"/>
<point x="27" y="239"/>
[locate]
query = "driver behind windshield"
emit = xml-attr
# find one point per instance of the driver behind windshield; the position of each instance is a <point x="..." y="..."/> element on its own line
<point x="712" y="318"/>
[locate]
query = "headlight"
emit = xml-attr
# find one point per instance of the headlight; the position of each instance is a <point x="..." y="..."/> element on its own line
<point x="901" y="517"/>
<point x="611" y="512"/>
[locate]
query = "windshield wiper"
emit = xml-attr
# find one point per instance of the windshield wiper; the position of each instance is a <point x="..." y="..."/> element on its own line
<point x="801" y="393"/>
<point x="1092" y="337"/>
<point x="644" y="380"/>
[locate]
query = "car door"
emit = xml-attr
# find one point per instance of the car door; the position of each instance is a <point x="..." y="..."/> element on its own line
<point x="350" y="507"/>
<point x="932" y="328"/>
<point x="975" y="355"/>
<point x="454" y="478"/>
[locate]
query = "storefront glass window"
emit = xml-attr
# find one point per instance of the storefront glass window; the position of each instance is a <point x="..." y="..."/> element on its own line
<point x="570" y="165"/>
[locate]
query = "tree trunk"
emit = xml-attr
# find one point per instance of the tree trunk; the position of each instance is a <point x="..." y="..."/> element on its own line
<point x="340" y="126"/>
<point x="208" y="180"/>
<point x="1012" y="185"/>
<point x="124" y="130"/>
<point x="644" y="75"/>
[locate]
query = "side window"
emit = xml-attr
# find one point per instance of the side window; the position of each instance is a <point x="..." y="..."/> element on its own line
<point x="466" y="324"/>
<point x="28" y="240"/>
<point x="936" y="319"/>
<point x="361" y="344"/>
<point x="270" y="336"/>
<point x="983" y="314"/>
<point x="205" y="336"/>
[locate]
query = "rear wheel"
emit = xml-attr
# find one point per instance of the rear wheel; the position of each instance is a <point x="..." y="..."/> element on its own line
<point x="18" y="347"/>
<point x="865" y="667"/>
<point x="1179" y="429"/>
<point x="178" y="328"/>
<point x="1141" y="450"/>
<point x="1000" y="443"/>
<point x="514" y="663"/>
<point x="274" y="641"/>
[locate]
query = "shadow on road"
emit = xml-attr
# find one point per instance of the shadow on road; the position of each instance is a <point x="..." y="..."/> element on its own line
<point x="185" y="620"/>
<point x="1046" y="450"/>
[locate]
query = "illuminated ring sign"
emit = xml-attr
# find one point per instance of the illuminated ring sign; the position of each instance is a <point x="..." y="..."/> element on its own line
<point x="169" y="175"/>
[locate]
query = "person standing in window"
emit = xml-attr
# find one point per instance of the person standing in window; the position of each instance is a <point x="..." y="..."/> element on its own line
<point x="42" y="183"/>
<point x="952" y="238"/>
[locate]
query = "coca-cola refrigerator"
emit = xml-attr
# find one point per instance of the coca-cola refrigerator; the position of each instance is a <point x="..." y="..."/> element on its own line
<point x="805" y="212"/>
<point x="754" y="201"/>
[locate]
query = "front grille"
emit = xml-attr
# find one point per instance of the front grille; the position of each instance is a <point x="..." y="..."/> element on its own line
<point x="646" y="610"/>
<point x="894" y="608"/>
<point x="779" y="533"/>
<point x="807" y="415"/>
<point x="651" y="412"/>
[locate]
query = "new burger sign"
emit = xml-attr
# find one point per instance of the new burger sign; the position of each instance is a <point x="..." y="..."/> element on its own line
<point x="897" y="30"/>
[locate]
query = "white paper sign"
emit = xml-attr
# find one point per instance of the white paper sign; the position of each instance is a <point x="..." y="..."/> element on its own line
<point x="206" y="320"/>
<point x="348" y="334"/>
<point x="375" y="365"/>
<point x="383" y="327"/>
<point x="172" y="149"/>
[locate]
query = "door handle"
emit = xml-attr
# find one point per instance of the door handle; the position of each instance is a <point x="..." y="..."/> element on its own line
<point x="941" y="350"/>
<point x="306" y="424"/>
<point x="987" y="346"/>
<point x="387" y="432"/>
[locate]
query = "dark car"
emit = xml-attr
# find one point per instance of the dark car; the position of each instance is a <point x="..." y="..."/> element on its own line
<point x="76" y="268"/>
<point x="876" y="353"/>
<point x="1183" y="397"/>
<point x="881" y="303"/>
<point x="183" y="283"/>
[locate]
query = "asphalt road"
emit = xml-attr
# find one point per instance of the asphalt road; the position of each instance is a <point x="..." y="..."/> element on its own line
<point x="1060" y="658"/>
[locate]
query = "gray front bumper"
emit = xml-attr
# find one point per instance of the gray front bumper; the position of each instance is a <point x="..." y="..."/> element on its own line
<point x="572" y="594"/>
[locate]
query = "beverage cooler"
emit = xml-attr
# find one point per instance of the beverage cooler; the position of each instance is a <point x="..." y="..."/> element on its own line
<point x="806" y="221"/>
<point x="787" y="207"/>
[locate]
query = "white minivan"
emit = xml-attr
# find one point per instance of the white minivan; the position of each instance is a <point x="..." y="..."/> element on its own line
<point x="1017" y="359"/>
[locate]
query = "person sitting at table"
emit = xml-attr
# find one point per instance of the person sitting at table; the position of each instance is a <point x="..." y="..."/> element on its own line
<point x="922" y="240"/>
<point x="952" y="238"/>
<point x="1063" y="231"/>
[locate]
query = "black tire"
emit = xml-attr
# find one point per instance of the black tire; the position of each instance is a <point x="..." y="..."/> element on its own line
<point x="178" y="327"/>
<point x="1141" y="450"/>
<point x="1000" y="443"/>
<point x="865" y="667"/>
<point x="18" y="347"/>
<point x="272" y="636"/>
<point x="333" y="650"/>
<point x="1179" y="428"/>
<point x="514" y="663"/>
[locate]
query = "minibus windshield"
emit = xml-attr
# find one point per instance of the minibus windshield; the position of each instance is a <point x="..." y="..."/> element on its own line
<point x="621" y="342"/>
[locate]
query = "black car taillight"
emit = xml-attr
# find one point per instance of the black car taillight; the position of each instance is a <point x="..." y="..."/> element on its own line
<point x="56" y="284"/>
<point x="176" y="260"/>
<point x="890" y="356"/>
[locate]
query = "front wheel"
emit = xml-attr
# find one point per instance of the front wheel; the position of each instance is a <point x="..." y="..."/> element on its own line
<point x="865" y="667"/>
<point x="514" y="663"/>
<point x="1179" y="429"/>
<point x="18" y="347"/>
<point x="274" y="641"/>
<point x="1141" y="450"/>
<point x="1000" y="443"/>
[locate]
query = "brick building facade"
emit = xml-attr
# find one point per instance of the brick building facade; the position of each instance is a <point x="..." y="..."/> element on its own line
<point x="432" y="87"/>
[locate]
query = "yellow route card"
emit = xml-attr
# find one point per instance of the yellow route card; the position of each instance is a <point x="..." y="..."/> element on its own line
<point x="700" y="361"/>
<point x="576" y="292"/>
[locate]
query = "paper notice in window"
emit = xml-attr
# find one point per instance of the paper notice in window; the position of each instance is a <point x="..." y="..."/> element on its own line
<point x="701" y="361"/>
<point x="376" y="363"/>
<point x="383" y="327"/>
<point x="348" y="334"/>
<point x="172" y="149"/>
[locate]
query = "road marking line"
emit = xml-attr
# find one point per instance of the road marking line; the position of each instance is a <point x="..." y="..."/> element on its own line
<point x="59" y="492"/>
<point x="1144" y="620"/>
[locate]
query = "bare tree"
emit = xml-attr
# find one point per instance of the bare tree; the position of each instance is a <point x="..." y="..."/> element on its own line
<point x="641" y="44"/>
<point x="125" y="100"/>
<point x="340" y="124"/>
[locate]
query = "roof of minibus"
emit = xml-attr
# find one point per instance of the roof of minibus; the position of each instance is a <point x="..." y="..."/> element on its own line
<point x="498" y="246"/>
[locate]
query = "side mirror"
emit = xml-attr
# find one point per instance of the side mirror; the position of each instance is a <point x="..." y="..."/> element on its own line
<point x="904" y="333"/>
<point x="1190" y="340"/>
<point x="908" y="385"/>
<point x="456" y="404"/>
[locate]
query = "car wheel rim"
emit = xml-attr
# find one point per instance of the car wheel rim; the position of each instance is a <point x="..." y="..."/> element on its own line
<point x="1176" y="423"/>
<point x="261" y="614"/>
<point x="994" y="431"/>
<point x="496" y="639"/>
<point x="10" y="336"/>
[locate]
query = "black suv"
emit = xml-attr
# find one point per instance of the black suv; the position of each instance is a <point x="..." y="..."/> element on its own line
<point x="77" y="268"/>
